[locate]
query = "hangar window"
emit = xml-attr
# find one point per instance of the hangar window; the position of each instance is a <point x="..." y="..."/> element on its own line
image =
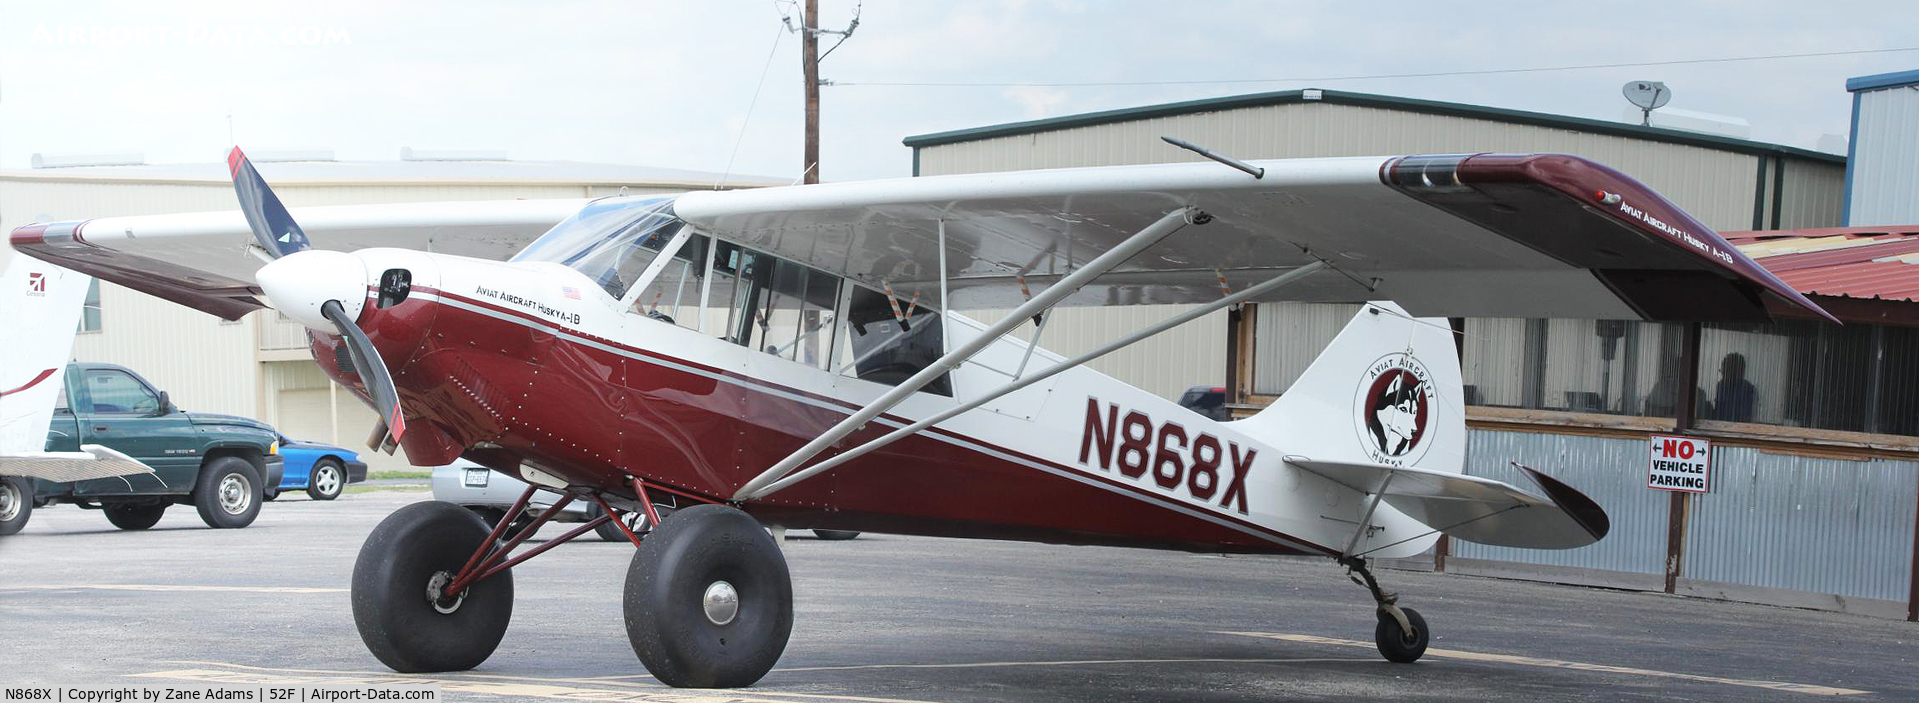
<point x="90" y="311"/>
<point x="1854" y="378"/>
<point x="1606" y="367"/>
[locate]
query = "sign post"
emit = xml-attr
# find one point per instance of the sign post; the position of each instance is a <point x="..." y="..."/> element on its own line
<point x="1680" y="464"/>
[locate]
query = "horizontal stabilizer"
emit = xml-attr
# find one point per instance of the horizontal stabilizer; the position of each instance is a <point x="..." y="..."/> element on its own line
<point x="1477" y="509"/>
<point x="65" y="467"/>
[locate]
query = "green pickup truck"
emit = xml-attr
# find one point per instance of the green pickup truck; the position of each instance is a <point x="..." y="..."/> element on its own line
<point x="220" y="464"/>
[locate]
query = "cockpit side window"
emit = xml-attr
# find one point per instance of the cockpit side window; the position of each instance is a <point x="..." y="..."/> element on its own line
<point x="674" y="294"/>
<point x="610" y="240"/>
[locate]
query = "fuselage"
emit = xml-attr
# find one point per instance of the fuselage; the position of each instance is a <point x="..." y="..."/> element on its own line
<point x="533" y="369"/>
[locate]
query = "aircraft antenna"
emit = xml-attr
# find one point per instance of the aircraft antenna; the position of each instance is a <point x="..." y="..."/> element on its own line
<point x="1256" y="171"/>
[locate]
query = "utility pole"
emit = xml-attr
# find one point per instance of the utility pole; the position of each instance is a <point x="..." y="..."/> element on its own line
<point x="810" y="68"/>
<point x="810" y="57"/>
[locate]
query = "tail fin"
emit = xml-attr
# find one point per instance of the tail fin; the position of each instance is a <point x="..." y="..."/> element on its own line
<point x="1385" y="392"/>
<point x="1382" y="411"/>
<point x="39" y="313"/>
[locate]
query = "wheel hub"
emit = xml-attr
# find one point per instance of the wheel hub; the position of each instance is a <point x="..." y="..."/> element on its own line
<point x="721" y="603"/>
<point x="328" y="480"/>
<point x="436" y="593"/>
<point x="233" y="494"/>
<point x="9" y="501"/>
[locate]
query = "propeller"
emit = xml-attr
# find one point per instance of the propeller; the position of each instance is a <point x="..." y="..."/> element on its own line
<point x="275" y="232"/>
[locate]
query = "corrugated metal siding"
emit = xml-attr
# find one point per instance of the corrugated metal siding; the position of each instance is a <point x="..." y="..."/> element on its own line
<point x="1715" y="185"/>
<point x="203" y="363"/>
<point x="1805" y="524"/>
<point x="1291" y="336"/>
<point x="1885" y="164"/>
<point x="1198" y="346"/>
<point x="1814" y="195"/>
<point x="1610" y="470"/>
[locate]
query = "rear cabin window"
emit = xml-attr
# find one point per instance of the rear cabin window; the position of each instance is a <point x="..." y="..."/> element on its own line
<point x="883" y="348"/>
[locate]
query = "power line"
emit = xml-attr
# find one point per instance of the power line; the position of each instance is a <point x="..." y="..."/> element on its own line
<point x="1436" y="74"/>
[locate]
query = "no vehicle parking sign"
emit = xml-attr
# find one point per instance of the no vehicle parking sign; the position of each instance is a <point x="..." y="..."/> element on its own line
<point x="1680" y="464"/>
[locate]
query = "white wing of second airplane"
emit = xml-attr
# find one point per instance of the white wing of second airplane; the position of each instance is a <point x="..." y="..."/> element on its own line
<point x="39" y="314"/>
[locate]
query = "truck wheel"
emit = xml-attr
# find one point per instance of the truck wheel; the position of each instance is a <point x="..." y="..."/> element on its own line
<point x="133" y="516"/>
<point x="228" y="493"/>
<point x="327" y="480"/>
<point x="16" y="503"/>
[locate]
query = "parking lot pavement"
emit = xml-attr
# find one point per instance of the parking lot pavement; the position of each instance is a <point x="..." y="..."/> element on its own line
<point x="912" y="619"/>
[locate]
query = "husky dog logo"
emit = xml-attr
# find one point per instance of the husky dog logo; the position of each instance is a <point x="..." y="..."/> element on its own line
<point x="1394" y="407"/>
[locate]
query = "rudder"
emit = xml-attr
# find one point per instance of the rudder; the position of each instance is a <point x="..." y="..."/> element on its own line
<point x="1386" y="391"/>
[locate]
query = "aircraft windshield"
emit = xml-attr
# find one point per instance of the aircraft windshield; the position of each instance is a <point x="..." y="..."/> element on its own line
<point x="611" y="240"/>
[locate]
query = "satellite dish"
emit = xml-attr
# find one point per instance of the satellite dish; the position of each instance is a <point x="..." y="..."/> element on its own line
<point x="1649" y="96"/>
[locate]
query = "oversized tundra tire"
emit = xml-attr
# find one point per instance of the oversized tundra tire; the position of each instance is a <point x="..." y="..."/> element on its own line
<point x="709" y="602"/>
<point x="228" y="493"/>
<point x="399" y="604"/>
<point x="134" y="516"/>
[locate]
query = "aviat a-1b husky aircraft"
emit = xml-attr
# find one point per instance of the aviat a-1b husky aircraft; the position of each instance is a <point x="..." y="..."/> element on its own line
<point x="787" y="357"/>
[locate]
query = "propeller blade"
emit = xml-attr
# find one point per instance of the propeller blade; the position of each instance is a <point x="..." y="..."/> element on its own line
<point x="273" y="228"/>
<point x="372" y="370"/>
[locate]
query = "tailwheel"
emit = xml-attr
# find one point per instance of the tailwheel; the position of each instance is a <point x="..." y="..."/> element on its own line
<point x="709" y="602"/>
<point x="1401" y="635"/>
<point x="1400" y="643"/>
<point x="401" y="603"/>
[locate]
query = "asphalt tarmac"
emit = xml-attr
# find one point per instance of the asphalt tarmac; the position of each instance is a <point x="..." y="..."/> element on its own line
<point x="912" y="619"/>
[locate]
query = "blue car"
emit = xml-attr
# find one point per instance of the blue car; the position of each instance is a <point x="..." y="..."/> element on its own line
<point x="323" y="470"/>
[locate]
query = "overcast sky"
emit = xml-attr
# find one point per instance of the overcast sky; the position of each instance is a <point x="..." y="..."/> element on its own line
<point x="669" y="83"/>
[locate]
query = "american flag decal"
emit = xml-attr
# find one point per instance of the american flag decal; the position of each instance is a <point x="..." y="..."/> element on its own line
<point x="36" y="283"/>
<point x="570" y="292"/>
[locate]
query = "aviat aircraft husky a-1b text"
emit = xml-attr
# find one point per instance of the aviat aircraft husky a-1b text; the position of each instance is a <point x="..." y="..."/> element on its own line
<point x="786" y="357"/>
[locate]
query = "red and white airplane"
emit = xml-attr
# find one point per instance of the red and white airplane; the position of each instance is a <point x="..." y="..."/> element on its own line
<point x="788" y="357"/>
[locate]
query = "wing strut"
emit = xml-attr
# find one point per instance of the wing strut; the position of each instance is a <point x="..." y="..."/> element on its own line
<point x="1166" y="225"/>
<point x="1019" y="383"/>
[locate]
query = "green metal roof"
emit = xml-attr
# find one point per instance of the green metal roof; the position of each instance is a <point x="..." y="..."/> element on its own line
<point x="1340" y="97"/>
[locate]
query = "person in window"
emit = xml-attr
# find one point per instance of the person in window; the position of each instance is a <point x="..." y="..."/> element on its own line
<point x="1663" y="399"/>
<point x="1734" y="399"/>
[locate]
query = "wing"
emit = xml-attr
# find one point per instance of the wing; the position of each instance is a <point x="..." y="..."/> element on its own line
<point x="65" y="467"/>
<point x="1460" y="235"/>
<point x="202" y="260"/>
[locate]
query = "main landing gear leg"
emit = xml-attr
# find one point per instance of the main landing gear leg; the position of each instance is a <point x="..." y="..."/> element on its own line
<point x="1401" y="634"/>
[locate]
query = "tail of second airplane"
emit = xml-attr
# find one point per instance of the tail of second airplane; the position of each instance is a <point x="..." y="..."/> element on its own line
<point x="39" y="314"/>
<point x="1382" y="411"/>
